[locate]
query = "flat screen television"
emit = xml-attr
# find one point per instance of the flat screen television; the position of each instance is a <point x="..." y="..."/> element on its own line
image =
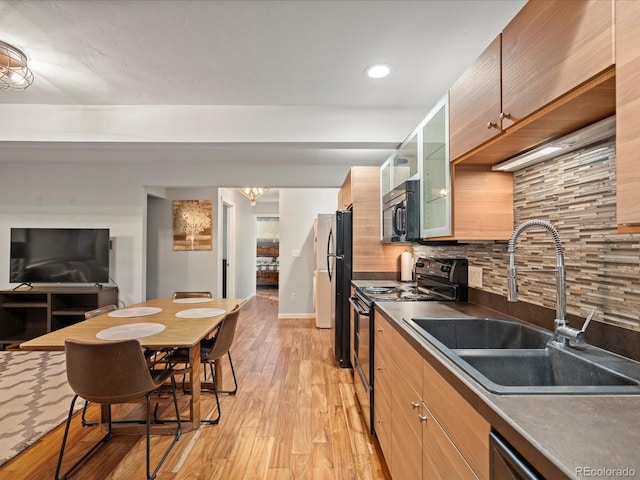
<point x="59" y="255"/>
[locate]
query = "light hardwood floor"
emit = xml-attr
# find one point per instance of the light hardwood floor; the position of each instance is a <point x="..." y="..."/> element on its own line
<point x="294" y="417"/>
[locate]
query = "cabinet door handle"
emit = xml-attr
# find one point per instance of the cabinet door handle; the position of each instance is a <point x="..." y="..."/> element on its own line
<point x="491" y="125"/>
<point x="423" y="418"/>
<point x="415" y="405"/>
<point x="379" y="369"/>
<point x="504" y="115"/>
<point x="380" y="330"/>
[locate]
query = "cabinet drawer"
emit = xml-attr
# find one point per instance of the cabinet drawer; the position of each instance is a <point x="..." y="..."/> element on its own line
<point x="441" y="459"/>
<point x="463" y="424"/>
<point x="408" y="360"/>
<point x="406" y="445"/>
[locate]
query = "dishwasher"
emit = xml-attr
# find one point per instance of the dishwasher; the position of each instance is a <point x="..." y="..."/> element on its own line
<point x="506" y="463"/>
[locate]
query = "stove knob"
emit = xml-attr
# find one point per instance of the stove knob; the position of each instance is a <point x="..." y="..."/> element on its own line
<point x="445" y="268"/>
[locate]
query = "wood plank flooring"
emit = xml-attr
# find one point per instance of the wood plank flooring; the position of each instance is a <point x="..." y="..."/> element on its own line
<point x="294" y="417"/>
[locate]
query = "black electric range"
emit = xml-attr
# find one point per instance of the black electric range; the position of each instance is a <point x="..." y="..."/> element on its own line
<point x="436" y="279"/>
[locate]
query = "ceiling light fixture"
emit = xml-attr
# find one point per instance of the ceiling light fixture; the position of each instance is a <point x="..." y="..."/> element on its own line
<point x="14" y="72"/>
<point x="253" y="193"/>
<point x="379" y="70"/>
<point x="596" y="132"/>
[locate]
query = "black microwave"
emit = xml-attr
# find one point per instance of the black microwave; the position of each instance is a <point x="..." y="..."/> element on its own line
<point x="401" y="213"/>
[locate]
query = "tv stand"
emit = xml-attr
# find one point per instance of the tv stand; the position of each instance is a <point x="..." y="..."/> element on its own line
<point x="29" y="313"/>
<point x="23" y="284"/>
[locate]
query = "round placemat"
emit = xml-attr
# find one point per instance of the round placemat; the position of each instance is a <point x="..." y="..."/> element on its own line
<point x="129" y="331"/>
<point x="193" y="300"/>
<point x="200" y="312"/>
<point x="134" y="312"/>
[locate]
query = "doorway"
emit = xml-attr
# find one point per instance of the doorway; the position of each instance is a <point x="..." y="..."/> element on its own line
<point x="228" y="268"/>
<point x="267" y="255"/>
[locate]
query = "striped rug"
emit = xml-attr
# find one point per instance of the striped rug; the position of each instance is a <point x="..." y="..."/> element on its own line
<point x="34" y="398"/>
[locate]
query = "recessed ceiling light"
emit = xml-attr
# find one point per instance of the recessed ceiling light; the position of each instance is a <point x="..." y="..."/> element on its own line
<point x="378" y="70"/>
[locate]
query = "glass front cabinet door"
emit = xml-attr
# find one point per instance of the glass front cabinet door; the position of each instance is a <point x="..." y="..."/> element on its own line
<point x="401" y="166"/>
<point x="435" y="182"/>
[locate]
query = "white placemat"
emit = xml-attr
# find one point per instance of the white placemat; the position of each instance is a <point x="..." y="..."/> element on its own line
<point x="193" y="300"/>
<point x="134" y="312"/>
<point x="200" y="312"/>
<point x="129" y="331"/>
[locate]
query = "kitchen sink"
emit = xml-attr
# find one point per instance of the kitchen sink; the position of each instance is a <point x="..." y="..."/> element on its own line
<point x="510" y="357"/>
<point x="493" y="333"/>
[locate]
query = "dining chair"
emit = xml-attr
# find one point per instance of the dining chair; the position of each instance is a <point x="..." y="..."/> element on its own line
<point x="210" y="352"/>
<point x="87" y="315"/>
<point x="99" y="311"/>
<point x="109" y="373"/>
<point x="179" y="295"/>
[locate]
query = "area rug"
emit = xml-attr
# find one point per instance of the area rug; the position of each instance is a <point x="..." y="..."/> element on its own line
<point x="34" y="398"/>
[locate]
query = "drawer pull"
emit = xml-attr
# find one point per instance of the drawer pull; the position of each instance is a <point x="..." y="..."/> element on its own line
<point x="491" y="125"/>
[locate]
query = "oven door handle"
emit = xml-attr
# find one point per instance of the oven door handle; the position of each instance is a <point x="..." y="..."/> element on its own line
<point x="356" y="306"/>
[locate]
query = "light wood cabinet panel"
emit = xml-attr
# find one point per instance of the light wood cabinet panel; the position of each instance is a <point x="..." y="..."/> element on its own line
<point x="406" y="448"/>
<point x="383" y="382"/>
<point x="463" y="424"/>
<point x="382" y="416"/>
<point x="345" y="199"/>
<point x="482" y="203"/>
<point x="408" y="359"/>
<point x="551" y="47"/>
<point x="628" y="114"/>
<point x="362" y="186"/>
<point x="441" y="459"/>
<point x="475" y="103"/>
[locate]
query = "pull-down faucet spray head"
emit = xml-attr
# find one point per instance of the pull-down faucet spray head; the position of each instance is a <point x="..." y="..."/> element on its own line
<point x="512" y="283"/>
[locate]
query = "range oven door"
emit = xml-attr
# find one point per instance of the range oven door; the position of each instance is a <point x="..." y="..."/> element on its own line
<point x="363" y="349"/>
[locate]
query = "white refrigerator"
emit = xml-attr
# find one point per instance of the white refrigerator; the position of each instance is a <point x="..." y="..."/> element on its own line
<point x="323" y="287"/>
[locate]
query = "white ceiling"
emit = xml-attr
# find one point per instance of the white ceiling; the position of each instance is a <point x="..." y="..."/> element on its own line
<point x="284" y="76"/>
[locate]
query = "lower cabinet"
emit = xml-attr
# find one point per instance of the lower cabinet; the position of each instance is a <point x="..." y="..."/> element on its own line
<point x="425" y="428"/>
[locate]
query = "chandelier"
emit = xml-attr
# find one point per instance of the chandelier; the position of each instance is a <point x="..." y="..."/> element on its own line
<point x="14" y="73"/>
<point x="253" y="193"/>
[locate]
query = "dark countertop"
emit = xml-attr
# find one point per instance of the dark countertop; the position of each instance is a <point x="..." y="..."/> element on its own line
<point x="562" y="436"/>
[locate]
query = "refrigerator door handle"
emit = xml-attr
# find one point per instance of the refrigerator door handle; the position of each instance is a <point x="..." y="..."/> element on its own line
<point x="331" y="255"/>
<point x="329" y="252"/>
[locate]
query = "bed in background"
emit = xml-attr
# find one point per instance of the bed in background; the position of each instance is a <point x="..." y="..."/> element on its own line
<point x="267" y="264"/>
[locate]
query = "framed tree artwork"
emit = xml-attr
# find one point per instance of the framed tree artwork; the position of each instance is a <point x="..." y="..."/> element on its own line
<point x="192" y="225"/>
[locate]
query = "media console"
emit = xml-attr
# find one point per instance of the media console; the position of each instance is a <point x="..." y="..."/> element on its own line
<point x="26" y="314"/>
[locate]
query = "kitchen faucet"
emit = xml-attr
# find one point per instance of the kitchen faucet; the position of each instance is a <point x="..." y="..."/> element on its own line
<point x="563" y="333"/>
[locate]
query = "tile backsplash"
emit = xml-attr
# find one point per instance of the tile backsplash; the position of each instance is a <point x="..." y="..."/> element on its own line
<point x="576" y="193"/>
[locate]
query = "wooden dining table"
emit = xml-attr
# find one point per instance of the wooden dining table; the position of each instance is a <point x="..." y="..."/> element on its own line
<point x="180" y="330"/>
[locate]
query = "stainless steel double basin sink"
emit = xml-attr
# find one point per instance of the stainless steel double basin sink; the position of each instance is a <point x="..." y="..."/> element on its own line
<point x="511" y="357"/>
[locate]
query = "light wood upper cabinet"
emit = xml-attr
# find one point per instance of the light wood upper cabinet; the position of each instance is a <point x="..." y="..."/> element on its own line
<point x="361" y="191"/>
<point x="482" y="203"/>
<point x="628" y="114"/>
<point x="551" y="47"/>
<point x="345" y="199"/>
<point x="554" y="75"/>
<point x="474" y="103"/>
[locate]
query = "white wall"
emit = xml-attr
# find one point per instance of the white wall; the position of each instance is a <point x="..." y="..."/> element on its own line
<point x="113" y="194"/>
<point x="298" y="209"/>
<point x="179" y="270"/>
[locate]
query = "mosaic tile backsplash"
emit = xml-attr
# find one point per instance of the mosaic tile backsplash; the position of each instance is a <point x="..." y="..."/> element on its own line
<point x="576" y="193"/>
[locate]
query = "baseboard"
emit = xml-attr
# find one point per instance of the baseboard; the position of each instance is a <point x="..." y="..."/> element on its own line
<point x="302" y="316"/>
